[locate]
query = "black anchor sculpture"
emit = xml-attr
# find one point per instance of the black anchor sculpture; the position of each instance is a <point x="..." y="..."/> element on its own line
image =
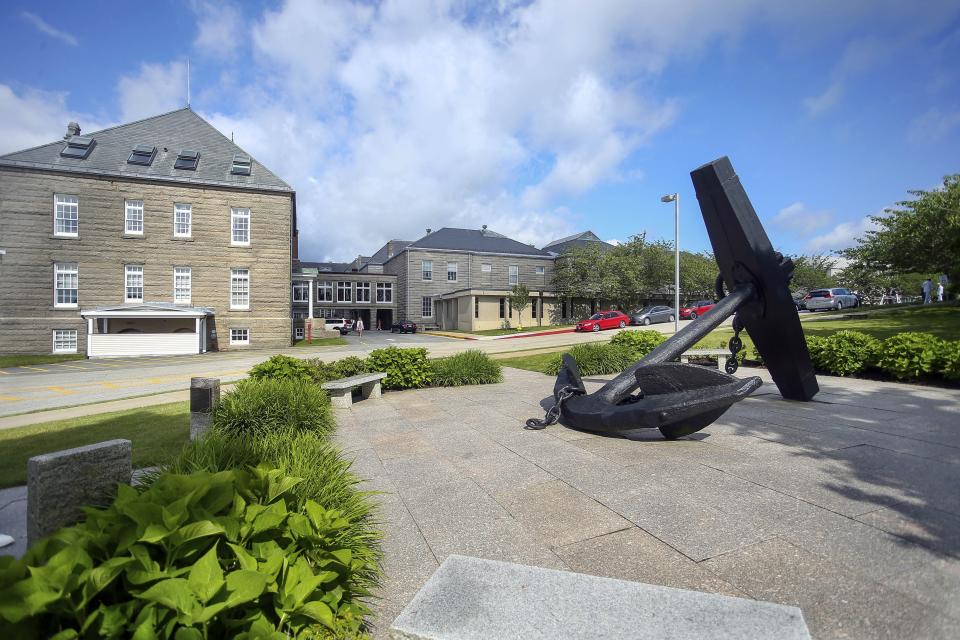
<point x="680" y="399"/>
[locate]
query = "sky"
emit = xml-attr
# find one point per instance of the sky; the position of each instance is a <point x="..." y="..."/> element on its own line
<point x="539" y="119"/>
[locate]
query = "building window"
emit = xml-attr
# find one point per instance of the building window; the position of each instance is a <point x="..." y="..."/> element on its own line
<point x="66" y="216"/>
<point x="301" y="291"/>
<point x="325" y="291"/>
<point x="533" y="308"/>
<point x="384" y="292"/>
<point x="133" y="283"/>
<point x="426" y="307"/>
<point x="240" y="227"/>
<point x="239" y="336"/>
<point x="503" y="308"/>
<point x="187" y="159"/>
<point x="486" y="267"/>
<point x="476" y="307"/>
<point x="182" y="213"/>
<point x="241" y="164"/>
<point x="514" y="274"/>
<point x="539" y="271"/>
<point x="298" y="333"/>
<point x="563" y="309"/>
<point x="299" y="315"/>
<point x="326" y="313"/>
<point x="240" y="289"/>
<point x="133" y="217"/>
<point x="344" y="292"/>
<point x="451" y="272"/>
<point x="426" y="269"/>
<point x="64" y="340"/>
<point x="182" y="284"/>
<point x="363" y="292"/>
<point x="65" y="284"/>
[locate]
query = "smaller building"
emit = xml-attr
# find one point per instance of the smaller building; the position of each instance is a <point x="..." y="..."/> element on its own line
<point x="356" y="290"/>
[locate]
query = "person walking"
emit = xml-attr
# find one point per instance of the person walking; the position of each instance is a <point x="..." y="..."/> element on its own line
<point x="360" y="327"/>
<point x="926" y="289"/>
<point x="939" y="292"/>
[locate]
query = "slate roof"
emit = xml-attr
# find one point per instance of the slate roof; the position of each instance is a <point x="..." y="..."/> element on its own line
<point x="170" y="133"/>
<point x="324" y="267"/>
<point x="381" y="256"/>
<point x="577" y="240"/>
<point x="475" y="240"/>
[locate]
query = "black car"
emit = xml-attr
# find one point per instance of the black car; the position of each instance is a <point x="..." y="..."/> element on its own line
<point x="403" y="327"/>
<point x="651" y="315"/>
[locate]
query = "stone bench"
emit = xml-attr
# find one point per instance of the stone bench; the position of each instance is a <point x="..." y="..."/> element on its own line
<point x="474" y="599"/>
<point x="341" y="391"/>
<point x="720" y="354"/>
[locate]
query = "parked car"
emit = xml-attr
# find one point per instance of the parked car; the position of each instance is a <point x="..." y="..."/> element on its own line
<point x="403" y="327"/>
<point x="604" y="320"/>
<point x="334" y="323"/>
<point x="799" y="301"/>
<point x="652" y="315"/>
<point x="695" y="309"/>
<point x="831" y="299"/>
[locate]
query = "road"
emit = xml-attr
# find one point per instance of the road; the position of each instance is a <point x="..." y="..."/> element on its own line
<point x="78" y="382"/>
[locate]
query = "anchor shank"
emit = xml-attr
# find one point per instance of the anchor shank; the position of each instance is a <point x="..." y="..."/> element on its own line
<point x="624" y="384"/>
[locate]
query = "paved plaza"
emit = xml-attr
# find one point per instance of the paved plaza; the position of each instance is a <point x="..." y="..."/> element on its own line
<point x="847" y="507"/>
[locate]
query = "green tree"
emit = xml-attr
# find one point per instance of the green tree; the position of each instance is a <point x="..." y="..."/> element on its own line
<point x="519" y="299"/>
<point x="921" y="235"/>
<point x="698" y="275"/>
<point x="812" y="272"/>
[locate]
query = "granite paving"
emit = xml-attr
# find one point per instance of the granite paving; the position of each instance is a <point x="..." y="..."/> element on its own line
<point x="847" y="506"/>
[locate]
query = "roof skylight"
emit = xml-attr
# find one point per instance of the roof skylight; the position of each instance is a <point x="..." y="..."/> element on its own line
<point x="187" y="159"/>
<point x="241" y="164"/>
<point x="142" y="154"/>
<point x="78" y="147"/>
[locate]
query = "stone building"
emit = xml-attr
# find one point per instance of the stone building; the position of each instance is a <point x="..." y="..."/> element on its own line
<point x="357" y="290"/>
<point x="159" y="236"/>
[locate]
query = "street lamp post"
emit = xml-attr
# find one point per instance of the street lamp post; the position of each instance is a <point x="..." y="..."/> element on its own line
<point x="675" y="199"/>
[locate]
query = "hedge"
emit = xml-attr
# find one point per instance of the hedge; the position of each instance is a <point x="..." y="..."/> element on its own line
<point x="595" y="359"/>
<point x="469" y="367"/>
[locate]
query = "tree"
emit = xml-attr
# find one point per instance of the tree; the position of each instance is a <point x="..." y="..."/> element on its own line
<point x="698" y="275"/>
<point x="519" y="299"/>
<point x="920" y="236"/>
<point x="812" y="272"/>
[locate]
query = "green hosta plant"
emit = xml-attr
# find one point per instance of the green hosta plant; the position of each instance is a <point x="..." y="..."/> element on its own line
<point x="228" y="555"/>
<point x="847" y="352"/>
<point x="950" y="360"/>
<point x="281" y="367"/>
<point x="910" y="355"/>
<point x="816" y="346"/>
<point x="405" y="368"/>
<point x="639" y="343"/>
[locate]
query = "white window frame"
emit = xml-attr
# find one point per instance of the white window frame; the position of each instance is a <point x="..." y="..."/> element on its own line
<point x="128" y="271"/>
<point x="325" y="286"/>
<point x="239" y="276"/>
<point x="67" y="340"/>
<point x="238" y="215"/>
<point x="540" y="271"/>
<point x="348" y="298"/>
<point x="178" y="209"/>
<point x="134" y="207"/>
<point x="455" y="271"/>
<point x="178" y="286"/>
<point x="298" y="333"/>
<point x="426" y="305"/>
<point x="235" y="338"/>
<point x="63" y="207"/>
<point x="363" y="292"/>
<point x="301" y="287"/>
<point x="514" y="274"/>
<point x="66" y="269"/>
<point x="426" y="269"/>
<point x="385" y="292"/>
<point x="486" y="267"/>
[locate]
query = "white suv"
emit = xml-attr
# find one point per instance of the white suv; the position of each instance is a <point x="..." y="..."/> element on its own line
<point x="334" y="323"/>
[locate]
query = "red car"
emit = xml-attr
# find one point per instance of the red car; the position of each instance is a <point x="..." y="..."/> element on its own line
<point x="604" y="320"/>
<point x="695" y="309"/>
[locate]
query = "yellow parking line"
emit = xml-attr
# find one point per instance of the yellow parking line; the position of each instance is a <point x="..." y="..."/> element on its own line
<point x="108" y="385"/>
<point x="66" y="392"/>
<point x="71" y="366"/>
<point x="6" y="373"/>
<point x="35" y="369"/>
<point x="10" y="399"/>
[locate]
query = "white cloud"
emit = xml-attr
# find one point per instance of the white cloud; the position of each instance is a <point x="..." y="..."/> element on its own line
<point x="818" y="105"/>
<point x="44" y="27"/>
<point x="37" y="117"/>
<point x="933" y="126"/>
<point x="156" y="89"/>
<point x="842" y="236"/>
<point x="220" y="28"/>
<point x="797" y="217"/>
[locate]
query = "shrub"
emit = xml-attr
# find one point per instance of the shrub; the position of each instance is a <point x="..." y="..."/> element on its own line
<point x="910" y="355"/>
<point x="594" y="359"/>
<point x="405" y="368"/>
<point x="261" y="406"/>
<point x="950" y="360"/>
<point x="281" y="367"/>
<point x="349" y="366"/>
<point x="846" y="352"/>
<point x="816" y="346"/>
<point x="639" y="343"/>
<point x="469" y="367"/>
<point x="229" y="555"/>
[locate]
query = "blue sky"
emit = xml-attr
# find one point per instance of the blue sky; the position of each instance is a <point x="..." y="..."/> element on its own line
<point x="538" y="119"/>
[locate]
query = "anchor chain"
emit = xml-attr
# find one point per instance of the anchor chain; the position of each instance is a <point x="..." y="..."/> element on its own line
<point x="736" y="345"/>
<point x="553" y="413"/>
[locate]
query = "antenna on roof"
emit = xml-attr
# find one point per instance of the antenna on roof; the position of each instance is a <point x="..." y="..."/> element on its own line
<point x="188" y="82"/>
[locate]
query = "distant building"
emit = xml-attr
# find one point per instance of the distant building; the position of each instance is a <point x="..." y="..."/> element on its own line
<point x="159" y="236"/>
<point x="586" y="238"/>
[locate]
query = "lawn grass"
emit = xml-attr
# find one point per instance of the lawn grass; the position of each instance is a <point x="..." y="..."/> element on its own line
<point x="157" y="433"/>
<point x="49" y="358"/>
<point x="504" y="332"/>
<point x="535" y="362"/>
<point x="321" y="342"/>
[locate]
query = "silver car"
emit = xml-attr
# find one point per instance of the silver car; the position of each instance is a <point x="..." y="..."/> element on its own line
<point x="651" y="315"/>
<point x="830" y="299"/>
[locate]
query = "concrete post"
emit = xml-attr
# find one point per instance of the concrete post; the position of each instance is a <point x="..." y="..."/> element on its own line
<point x="204" y="397"/>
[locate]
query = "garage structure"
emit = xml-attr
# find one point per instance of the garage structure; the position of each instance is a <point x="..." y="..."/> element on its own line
<point x="148" y="330"/>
